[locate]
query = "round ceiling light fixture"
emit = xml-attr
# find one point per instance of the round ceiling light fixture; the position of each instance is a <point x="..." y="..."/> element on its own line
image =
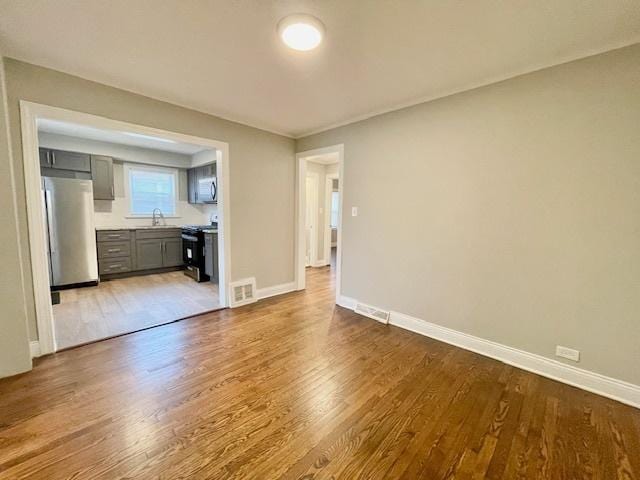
<point x="301" y="31"/>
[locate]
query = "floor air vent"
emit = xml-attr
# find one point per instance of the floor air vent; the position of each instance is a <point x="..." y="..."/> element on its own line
<point x="372" y="312"/>
<point x="243" y="292"/>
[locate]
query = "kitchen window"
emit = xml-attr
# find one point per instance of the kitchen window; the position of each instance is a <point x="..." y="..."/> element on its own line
<point x="151" y="188"/>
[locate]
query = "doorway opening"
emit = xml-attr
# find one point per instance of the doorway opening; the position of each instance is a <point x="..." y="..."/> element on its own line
<point x="319" y="201"/>
<point x="311" y="218"/>
<point x="128" y="224"/>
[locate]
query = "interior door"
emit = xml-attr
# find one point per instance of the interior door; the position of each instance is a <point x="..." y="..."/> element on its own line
<point x="311" y="217"/>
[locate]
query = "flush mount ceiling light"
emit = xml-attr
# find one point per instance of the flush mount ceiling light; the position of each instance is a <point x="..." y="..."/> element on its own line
<point x="301" y="32"/>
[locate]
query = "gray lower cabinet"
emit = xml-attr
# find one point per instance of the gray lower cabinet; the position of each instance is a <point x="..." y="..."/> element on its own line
<point x="114" y="265"/>
<point x="114" y="251"/>
<point x="211" y="255"/>
<point x="172" y="252"/>
<point x="149" y="254"/>
<point x="143" y="250"/>
<point x="102" y="175"/>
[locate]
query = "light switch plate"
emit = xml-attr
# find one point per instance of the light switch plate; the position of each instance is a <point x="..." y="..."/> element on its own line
<point x="354" y="211"/>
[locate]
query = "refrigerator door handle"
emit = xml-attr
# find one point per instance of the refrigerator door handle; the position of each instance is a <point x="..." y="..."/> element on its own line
<point x="50" y="231"/>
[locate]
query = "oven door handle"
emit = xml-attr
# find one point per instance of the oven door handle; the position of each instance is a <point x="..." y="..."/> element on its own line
<point x="189" y="237"/>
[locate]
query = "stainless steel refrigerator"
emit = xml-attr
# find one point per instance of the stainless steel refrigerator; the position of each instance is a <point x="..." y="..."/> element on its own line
<point x="68" y="208"/>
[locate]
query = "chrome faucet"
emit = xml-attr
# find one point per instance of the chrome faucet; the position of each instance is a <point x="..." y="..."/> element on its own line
<point x="155" y="221"/>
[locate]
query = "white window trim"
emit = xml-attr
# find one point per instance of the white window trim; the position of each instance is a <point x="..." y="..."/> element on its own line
<point x="152" y="168"/>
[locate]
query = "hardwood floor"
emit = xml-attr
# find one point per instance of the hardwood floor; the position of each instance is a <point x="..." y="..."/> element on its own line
<point x="129" y="304"/>
<point x="296" y="388"/>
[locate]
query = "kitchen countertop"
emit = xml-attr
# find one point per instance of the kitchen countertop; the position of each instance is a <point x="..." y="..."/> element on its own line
<point x="149" y="227"/>
<point x="140" y="227"/>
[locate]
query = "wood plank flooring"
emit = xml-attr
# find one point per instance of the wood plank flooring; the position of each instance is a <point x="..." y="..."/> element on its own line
<point x="129" y="304"/>
<point x="296" y="388"/>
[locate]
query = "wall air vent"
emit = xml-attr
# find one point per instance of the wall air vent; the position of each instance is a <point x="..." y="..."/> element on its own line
<point x="372" y="312"/>
<point x="243" y="292"/>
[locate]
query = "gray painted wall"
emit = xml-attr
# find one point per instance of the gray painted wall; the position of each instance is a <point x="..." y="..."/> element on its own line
<point x="510" y="212"/>
<point x="15" y="356"/>
<point x="262" y="168"/>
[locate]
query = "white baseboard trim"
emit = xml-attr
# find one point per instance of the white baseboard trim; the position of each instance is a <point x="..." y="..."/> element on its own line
<point x="347" y="302"/>
<point x="619" y="390"/>
<point x="320" y="263"/>
<point x="276" y="290"/>
<point x="35" y="349"/>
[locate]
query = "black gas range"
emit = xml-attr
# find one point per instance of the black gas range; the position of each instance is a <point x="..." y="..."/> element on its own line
<point x="194" y="251"/>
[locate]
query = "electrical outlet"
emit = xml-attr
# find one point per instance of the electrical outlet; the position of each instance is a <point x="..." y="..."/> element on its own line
<point x="354" y="211"/>
<point x="568" y="353"/>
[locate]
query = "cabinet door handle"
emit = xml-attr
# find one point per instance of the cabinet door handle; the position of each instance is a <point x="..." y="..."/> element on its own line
<point x="112" y="193"/>
<point x="53" y="158"/>
<point x="48" y="157"/>
<point x="113" y="250"/>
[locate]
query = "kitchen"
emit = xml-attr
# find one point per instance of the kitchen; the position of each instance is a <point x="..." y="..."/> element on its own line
<point x="131" y="222"/>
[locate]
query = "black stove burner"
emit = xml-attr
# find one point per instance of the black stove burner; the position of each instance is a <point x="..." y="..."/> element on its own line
<point x="199" y="228"/>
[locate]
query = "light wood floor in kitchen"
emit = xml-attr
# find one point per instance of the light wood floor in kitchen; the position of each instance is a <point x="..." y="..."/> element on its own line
<point x="129" y="304"/>
<point x="294" y="387"/>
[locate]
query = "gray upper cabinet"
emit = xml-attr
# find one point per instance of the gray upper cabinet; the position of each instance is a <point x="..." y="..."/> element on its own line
<point x="149" y="253"/>
<point x="192" y="185"/>
<point x="207" y="171"/>
<point x="59" y="163"/>
<point x="79" y="162"/>
<point x="45" y="158"/>
<point x="172" y="252"/>
<point x="199" y="178"/>
<point x="102" y="175"/>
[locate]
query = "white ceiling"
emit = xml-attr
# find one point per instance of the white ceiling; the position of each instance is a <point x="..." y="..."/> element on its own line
<point x="114" y="136"/>
<point x="223" y="57"/>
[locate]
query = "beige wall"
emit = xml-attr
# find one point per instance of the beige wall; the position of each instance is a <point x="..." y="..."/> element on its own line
<point x="14" y="342"/>
<point x="510" y="212"/>
<point x="262" y="167"/>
